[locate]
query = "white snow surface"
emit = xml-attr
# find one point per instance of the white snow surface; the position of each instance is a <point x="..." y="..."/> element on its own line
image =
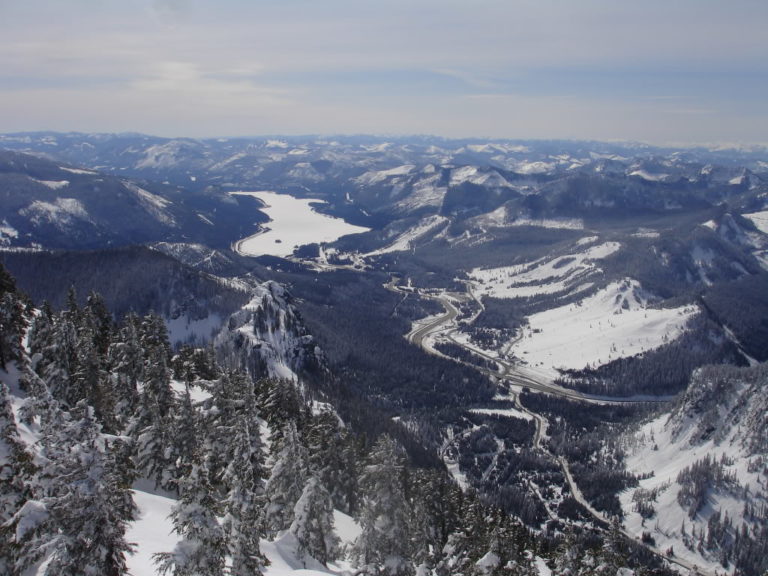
<point x="404" y="241"/>
<point x="161" y="155"/>
<point x="471" y="174"/>
<point x="61" y="213"/>
<point x="152" y="532"/>
<point x="663" y="447"/>
<point x="7" y="233"/>
<point x="77" y="170"/>
<point x="507" y="412"/>
<point x="377" y="176"/>
<point x="544" y="276"/>
<point x="154" y="205"/>
<point x="650" y="177"/>
<point x="552" y="223"/>
<point x="425" y="192"/>
<point x="293" y="223"/>
<point x="52" y="184"/>
<point x="524" y="167"/>
<point x="760" y="220"/>
<point x="184" y="330"/>
<point x="614" y="322"/>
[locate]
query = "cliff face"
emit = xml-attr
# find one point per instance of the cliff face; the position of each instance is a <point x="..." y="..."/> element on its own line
<point x="267" y="338"/>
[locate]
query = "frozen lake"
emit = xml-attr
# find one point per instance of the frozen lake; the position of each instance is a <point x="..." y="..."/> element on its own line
<point x="292" y="223"/>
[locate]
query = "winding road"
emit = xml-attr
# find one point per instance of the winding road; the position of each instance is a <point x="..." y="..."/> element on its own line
<point x="516" y="375"/>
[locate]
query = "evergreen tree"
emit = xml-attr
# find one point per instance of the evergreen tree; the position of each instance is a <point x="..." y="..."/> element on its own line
<point x="280" y="402"/>
<point x="286" y="482"/>
<point x="468" y="542"/>
<point x="153" y="424"/>
<point x="59" y="360"/>
<point x="383" y="547"/>
<point x="567" y="557"/>
<point x="12" y="326"/>
<point x="244" y="504"/>
<point x="126" y="359"/>
<point x="328" y="458"/>
<point x="185" y="437"/>
<point x="221" y="413"/>
<point x="313" y="524"/>
<point x="612" y="556"/>
<point x="437" y="506"/>
<point x="156" y="399"/>
<point x="202" y="548"/>
<point x="83" y="502"/>
<point x="16" y="469"/>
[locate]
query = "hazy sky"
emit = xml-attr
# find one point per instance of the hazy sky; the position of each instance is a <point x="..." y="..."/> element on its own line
<point x="661" y="71"/>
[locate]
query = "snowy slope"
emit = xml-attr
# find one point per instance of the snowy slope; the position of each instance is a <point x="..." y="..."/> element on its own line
<point x="759" y="219"/>
<point x="723" y="414"/>
<point x="405" y="240"/>
<point x="543" y="276"/>
<point x="152" y="533"/>
<point x="615" y="322"/>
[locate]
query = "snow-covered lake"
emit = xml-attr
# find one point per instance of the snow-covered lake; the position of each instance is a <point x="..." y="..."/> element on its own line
<point x="293" y="223"/>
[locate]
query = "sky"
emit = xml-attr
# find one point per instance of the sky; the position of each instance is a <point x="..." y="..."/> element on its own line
<point x="656" y="71"/>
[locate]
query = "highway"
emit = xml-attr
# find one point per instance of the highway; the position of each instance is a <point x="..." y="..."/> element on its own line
<point x="517" y="376"/>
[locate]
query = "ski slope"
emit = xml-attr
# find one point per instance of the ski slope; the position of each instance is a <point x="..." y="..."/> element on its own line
<point x="614" y="322"/>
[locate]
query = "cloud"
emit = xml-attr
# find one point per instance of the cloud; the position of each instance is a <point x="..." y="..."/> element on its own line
<point x="512" y="67"/>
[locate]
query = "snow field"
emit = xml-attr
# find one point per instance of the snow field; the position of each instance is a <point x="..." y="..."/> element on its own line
<point x="376" y="176"/>
<point x="543" y="276"/>
<point x="508" y="412"/>
<point x="612" y="323"/>
<point x="553" y="223"/>
<point x="152" y="533"/>
<point x="760" y="220"/>
<point x="658" y="457"/>
<point x="52" y="184"/>
<point x="403" y="242"/>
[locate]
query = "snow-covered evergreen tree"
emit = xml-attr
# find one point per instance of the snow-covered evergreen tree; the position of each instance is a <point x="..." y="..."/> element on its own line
<point x="567" y="557"/>
<point x="286" y="481"/>
<point x="58" y="360"/>
<point x="153" y="423"/>
<point x="313" y="524"/>
<point x="12" y="326"/>
<point x="202" y="548"/>
<point x="15" y="474"/>
<point x="280" y="401"/>
<point x="125" y="356"/>
<point x="244" y="504"/>
<point x="183" y="447"/>
<point x="82" y="505"/>
<point x="437" y="507"/>
<point x="333" y="458"/>
<point x="384" y="545"/>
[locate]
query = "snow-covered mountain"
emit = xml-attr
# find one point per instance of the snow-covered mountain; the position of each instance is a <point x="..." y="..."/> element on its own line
<point x="702" y="469"/>
<point x="266" y="337"/>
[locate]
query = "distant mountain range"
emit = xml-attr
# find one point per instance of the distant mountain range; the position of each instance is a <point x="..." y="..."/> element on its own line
<point x="609" y="278"/>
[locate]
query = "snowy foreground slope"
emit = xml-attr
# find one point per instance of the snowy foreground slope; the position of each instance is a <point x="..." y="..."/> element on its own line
<point x="704" y="467"/>
<point x="152" y="532"/>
